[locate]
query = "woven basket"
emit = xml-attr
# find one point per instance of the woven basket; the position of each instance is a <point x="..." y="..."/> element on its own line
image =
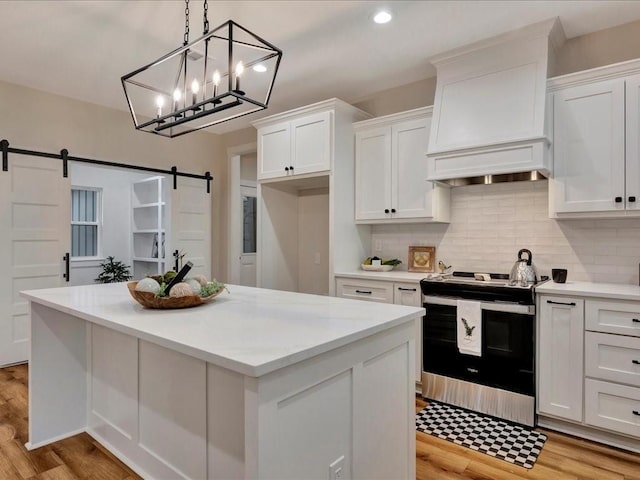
<point x="149" y="300"/>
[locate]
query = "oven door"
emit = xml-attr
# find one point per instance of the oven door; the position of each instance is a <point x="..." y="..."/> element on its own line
<point x="508" y="345"/>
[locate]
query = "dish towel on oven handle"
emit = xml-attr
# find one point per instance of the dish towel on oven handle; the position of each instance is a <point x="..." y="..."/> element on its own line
<point x="469" y="322"/>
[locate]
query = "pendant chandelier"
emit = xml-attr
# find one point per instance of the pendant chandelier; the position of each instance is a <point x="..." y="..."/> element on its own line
<point x="226" y="73"/>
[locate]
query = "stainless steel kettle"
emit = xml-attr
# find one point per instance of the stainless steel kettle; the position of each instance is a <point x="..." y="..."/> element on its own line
<point x="523" y="272"/>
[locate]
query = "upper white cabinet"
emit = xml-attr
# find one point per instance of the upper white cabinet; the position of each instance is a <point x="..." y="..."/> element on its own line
<point x="305" y="204"/>
<point x="391" y="171"/>
<point x="301" y="145"/>
<point x="596" y="144"/>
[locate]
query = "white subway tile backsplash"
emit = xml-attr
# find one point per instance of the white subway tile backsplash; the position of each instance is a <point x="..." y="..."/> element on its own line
<point x="490" y="223"/>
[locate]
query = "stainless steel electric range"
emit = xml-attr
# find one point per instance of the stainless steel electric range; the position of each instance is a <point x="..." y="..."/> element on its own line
<point x="501" y="380"/>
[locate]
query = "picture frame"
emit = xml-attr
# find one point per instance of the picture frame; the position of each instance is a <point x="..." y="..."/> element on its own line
<point x="421" y="259"/>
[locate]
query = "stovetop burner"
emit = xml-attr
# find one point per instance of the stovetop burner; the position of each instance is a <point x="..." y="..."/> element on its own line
<point x="492" y="287"/>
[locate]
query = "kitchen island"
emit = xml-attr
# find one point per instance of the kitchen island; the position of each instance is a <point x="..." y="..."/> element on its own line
<point x="256" y="384"/>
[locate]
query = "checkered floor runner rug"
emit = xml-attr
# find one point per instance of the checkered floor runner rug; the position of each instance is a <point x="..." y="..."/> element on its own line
<point x="511" y="443"/>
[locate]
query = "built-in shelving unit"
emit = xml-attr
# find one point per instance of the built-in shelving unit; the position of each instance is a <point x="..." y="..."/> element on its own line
<point x="148" y="228"/>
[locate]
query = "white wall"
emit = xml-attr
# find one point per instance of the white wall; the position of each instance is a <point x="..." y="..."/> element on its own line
<point x="490" y="223"/>
<point x="116" y="208"/>
<point x="313" y="239"/>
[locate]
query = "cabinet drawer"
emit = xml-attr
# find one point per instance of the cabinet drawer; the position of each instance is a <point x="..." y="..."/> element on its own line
<point x="613" y="317"/>
<point x="612" y="357"/>
<point x="611" y="406"/>
<point x="365" y="290"/>
<point x="407" y="294"/>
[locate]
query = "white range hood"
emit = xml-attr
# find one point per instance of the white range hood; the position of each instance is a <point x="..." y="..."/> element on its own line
<point x="489" y="109"/>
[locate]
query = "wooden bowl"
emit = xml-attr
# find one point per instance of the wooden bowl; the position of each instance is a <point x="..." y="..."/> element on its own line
<point x="149" y="300"/>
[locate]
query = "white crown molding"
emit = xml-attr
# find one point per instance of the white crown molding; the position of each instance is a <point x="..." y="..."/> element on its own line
<point x="551" y="28"/>
<point x="330" y="104"/>
<point x="414" y="114"/>
<point x="607" y="72"/>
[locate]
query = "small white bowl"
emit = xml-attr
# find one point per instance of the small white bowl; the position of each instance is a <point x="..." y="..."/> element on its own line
<point x="377" y="268"/>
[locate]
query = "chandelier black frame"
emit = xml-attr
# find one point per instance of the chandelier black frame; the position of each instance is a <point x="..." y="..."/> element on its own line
<point x="166" y="124"/>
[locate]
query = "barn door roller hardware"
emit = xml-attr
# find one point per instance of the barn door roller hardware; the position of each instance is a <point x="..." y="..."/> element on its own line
<point x="65" y="157"/>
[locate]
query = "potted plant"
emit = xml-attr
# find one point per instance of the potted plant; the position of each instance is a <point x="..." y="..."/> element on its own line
<point x="113" y="271"/>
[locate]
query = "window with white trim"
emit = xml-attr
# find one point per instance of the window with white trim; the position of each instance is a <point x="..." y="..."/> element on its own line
<point x="86" y="215"/>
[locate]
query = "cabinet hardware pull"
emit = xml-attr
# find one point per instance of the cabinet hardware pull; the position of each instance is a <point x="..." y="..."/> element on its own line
<point x="386" y="210"/>
<point x="570" y="304"/>
<point x="635" y="320"/>
<point x="393" y="210"/>
<point x="66" y="275"/>
<point x="286" y="169"/>
<point x="635" y="362"/>
<point x="291" y="167"/>
<point x="635" y="412"/>
<point x="632" y="199"/>
<point x="407" y="289"/>
<point x="618" y="199"/>
<point x="364" y="291"/>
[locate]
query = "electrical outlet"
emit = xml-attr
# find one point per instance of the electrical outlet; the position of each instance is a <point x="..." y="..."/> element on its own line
<point x="336" y="469"/>
<point x="316" y="259"/>
<point x="377" y="245"/>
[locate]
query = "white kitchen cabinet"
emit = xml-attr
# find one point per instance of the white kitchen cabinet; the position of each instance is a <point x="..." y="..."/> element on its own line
<point x="613" y="407"/>
<point x="560" y="357"/>
<point x="391" y="171"/>
<point x="399" y="293"/>
<point x="305" y="227"/>
<point x="298" y="146"/>
<point x="596" y="143"/>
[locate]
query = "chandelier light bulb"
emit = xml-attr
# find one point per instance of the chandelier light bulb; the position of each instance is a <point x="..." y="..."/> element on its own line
<point x="216" y="78"/>
<point x="239" y="71"/>
<point x="195" y="86"/>
<point x="177" y="95"/>
<point x="159" y="104"/>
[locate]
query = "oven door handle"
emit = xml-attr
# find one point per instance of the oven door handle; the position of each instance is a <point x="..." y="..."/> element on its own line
<point x="492" y="306"/>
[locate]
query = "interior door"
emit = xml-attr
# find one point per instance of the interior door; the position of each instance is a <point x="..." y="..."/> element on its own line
<point x="190" y="228"/>
<point x="35" y="223"/>
<point x="248" y="255"/>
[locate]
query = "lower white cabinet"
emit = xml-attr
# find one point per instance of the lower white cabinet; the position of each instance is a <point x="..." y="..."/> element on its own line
<point x="399" y="293"/>
<point x="589" y="366"/>
<point x="560" y="356"/>
<point x="612" y="406"/>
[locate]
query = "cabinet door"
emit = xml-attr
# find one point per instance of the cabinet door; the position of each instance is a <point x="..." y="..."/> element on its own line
<point x="373" y="171"/>
<point x="411" y="193"/>
<point x="409" y="294"/>
<point x="589" y="150"/>
<point x="274" y="150"/>
<point x="311" y="143"/>
<point x="560" y="357"/>
<point x="633" y="143"/>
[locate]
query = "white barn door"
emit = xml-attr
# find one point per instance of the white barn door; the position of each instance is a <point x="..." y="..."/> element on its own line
<point x="191" y="224"/>
<point x="34" y="238"/>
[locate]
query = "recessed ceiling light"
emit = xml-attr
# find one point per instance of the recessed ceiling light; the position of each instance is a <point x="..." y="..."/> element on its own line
<point x="382" y="17"/>
<point x="259" y="68"/>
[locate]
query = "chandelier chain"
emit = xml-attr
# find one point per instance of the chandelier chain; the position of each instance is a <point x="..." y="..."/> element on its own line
<point x="206" y="19"/>
<point x="186" y="22"/>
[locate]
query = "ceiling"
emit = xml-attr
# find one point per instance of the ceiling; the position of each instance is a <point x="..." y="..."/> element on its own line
<point x="80" y="49"/>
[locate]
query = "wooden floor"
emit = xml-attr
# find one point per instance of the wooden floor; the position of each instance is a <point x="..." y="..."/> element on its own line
<point x="562" y="458"/>
<point x="81" y="457"/>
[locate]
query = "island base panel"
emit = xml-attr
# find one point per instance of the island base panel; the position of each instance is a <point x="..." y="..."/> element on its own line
<point x="169" y="415"/>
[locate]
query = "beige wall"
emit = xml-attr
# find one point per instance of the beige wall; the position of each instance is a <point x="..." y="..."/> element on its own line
<point x="36" y="120"/>
<point x="611" y="45"/>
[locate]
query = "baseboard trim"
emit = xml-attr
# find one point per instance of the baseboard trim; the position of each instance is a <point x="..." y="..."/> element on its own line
<point x="589" y="433"/>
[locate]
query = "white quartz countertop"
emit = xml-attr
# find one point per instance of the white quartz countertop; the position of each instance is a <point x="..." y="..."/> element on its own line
<point x="589" y="289"/>
<point x="251" y="331"/>
<point x="392" y="276"/>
